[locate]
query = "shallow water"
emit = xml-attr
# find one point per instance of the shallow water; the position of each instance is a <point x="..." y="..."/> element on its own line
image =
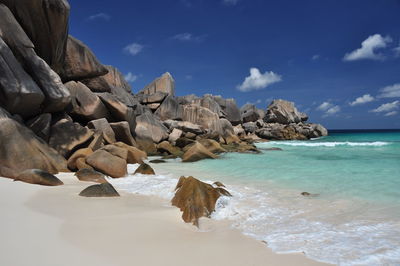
<point x="352" y="217"/>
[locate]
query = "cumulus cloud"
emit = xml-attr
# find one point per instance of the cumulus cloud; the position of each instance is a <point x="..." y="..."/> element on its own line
<point x="230" y="2"/>
<point x="391" y="91"/>
<point x="130" y="77"/>
<point x="329" y="108"/>
<point x="102" y="16"/>
<point x="257" y="80"/>
<point x="387" y="107"/>
<point x="133" y="48"/>
<point x="188" y="37"/>
<point x="369" y="49"/>
<point x="366" y="98"/>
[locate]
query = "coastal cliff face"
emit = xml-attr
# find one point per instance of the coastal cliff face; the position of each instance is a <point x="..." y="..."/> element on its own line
<point x="60" y="106"/>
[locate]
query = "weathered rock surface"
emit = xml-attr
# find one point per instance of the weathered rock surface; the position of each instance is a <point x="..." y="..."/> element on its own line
<point x="40" y="125"/>
<point x="174" y="135"/>
<point x="283" y="112"/>
<point x="249" y="113"/>
<point x="184" y="126"/>
<point x="201" y="116"/>
<point x="21" y="149"/>
<point x="102" y="126"/>
<point x="57" y="97"/>
<point x="197" y="152"/>
<point x="144" y="169"/>
<point x="113" y="81"/>
<point x="100" y="190"/>
<point x="90" y="175"/>
<point x="66" y="136"/>
<point x="196" y="199"/>
<point x="170" y="109"/>
<point x="134" y="154"/>
<point x="208" y="101"/>
<point x="166" y="147"/>
<point x="86" y="105"/>
<point x="81" y="153"/>
<point x="147" y="126"/>
<point x="107" y="163"/>
<point x="80" y="62"/>
<point x="16" y="87"/>
<point x="212" y="146"/>
<point x="116" y="151"/>
<point x="230" y="109"/>
<point x="38" y="177"/>
<point x="157" y="97"/>
<point x="165" y="83"/>
<point x="46" y="24"/>
<point x="123" y="133"/>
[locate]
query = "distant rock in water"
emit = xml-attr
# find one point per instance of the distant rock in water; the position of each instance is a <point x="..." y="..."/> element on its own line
<point x="100" y="190"/>
<point x="145" y="169"/>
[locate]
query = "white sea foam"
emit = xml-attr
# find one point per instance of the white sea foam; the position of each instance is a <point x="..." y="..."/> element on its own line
<point x="324" y="144"/>
<point x="289" y="228"/>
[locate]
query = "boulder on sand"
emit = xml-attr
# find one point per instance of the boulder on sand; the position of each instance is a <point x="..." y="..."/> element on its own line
<point x="38" y="177"/>
<point x="90" y="175"/>
<point x="196" y="199"/>
<point x="107" y="163"/>
<point x="100" y="190"/>
<point x="197" y="152"/>
<point x="81" y="153"/>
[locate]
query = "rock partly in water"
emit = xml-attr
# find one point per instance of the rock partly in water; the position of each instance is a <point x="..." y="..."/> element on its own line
<point x="283" y="112"/>
<point x="144" y="169"/>
<point x="134" y="154"/>
<point x="196" y="199"/>
<point x="38" y="177"/>
<point x="90" y="175"/>
<point x="100" y="190"/>
<point x="197" y="152"/>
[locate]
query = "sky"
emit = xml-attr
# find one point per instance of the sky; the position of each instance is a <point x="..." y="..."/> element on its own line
<point x="338" y="60"/>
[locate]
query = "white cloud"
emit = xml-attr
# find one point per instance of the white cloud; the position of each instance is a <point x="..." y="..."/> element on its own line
<point x="391" y="113"/>
<point x="130" y="77"/>
<point x="368" y="49"/>
<point x="315" y="57"/>
<point x="257" y="80"/>
<point x="103" y="16"/>
<point x="230" y="2"/>
<point x="397" y="51"/>
<point x="133" y="48"/>
<point x="392" y="91"/>
<point x="387" y="107"/>
<point x="188" y="37"/>
<point x="366" y="98"/>
<point x="329" y="108"/>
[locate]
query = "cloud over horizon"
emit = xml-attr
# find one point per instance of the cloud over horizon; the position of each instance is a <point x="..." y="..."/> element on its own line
<point x="388" y="108"/>
<point x="329" y="108"/>
<point x="97" y="16"/>
<point x="366" y="98"/>
<point x="133" y="48"/>
<point x="257" y="80"/>
<point x="369" y="49"/>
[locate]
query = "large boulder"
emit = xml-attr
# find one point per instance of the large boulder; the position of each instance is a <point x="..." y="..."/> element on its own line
<point x="21" y="149"/>
<point x="283" y="112"/>
<point x="165" y="83"/>
<point x="212" y="146"/>
<point x="110" y="82"/>
<point x="175" y="134"/>
<point x="166" y="147"/>
<point x="66" y="136"/>
<point x="99" y="190"/>
<point x="201" y="116"/>
<point x="196" y="199"/>
<point x="197" y="152"/>
<point x="230" y="109"/>
<point x="277" y="131"/>
<point x="86" y="105"/>
<point x="208" y="102"/>
<point x="249" y="113"/>
<point x="40" y="125"/>
<point x="134" y="154"/>
<point x="144" y="169"/>
<point x="170" y="109"/>
<point x="103" y="127"/>
<point x="57" y="97"/>
<point x="46" y="24"/>
<point x="148" y="127"/>
<point x="19" y="93"/>
<point x="185" y="126"/>
<point x="107" y="163"/>
<point x="73" y="159"/>
<point x="38" y="177"/>
<point x="119" y="111"/>
<point x="80" y="62"/>
<point x="157" y="97"/>
<point x="123" y="133"/>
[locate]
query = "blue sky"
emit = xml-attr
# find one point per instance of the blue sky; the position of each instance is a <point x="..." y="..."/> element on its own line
<point x="338" y="60"/>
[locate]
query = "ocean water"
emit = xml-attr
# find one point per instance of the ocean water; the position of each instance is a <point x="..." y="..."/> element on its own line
<point x="351" y="218"/>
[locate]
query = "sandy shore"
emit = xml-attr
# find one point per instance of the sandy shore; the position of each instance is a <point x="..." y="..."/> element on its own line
<point x="54" y="226"/>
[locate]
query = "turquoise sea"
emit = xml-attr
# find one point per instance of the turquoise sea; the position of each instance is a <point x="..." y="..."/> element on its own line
<point x="352" y="216"/>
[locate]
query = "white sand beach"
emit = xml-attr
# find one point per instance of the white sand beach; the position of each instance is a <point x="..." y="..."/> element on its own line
<point x="50" y="226"/>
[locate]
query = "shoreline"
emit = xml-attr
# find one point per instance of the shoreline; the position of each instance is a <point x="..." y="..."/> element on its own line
<point x="55" y="224"/>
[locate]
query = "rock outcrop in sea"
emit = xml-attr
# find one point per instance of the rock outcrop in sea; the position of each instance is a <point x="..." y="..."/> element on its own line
<point x="62" y="110"/>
